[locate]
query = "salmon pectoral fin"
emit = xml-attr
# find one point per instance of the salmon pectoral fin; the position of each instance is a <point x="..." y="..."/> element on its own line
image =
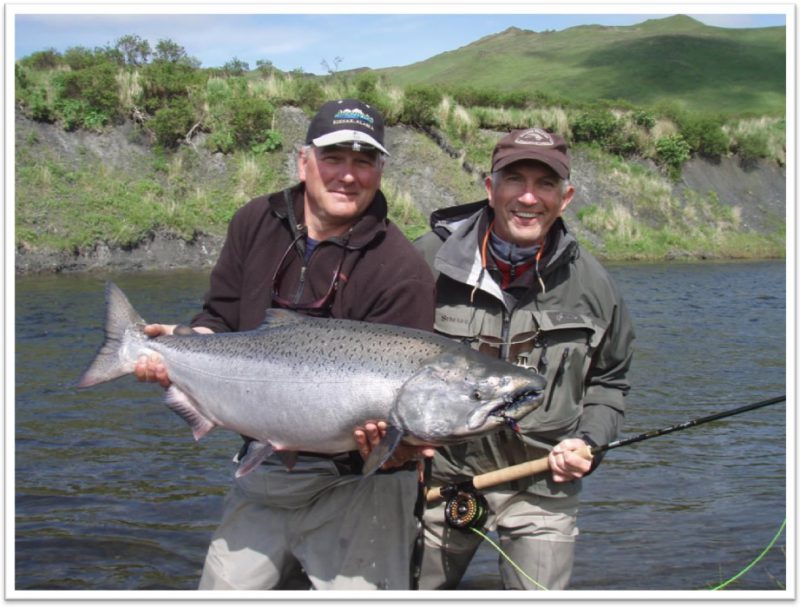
<point x="380" y="454"/>
<point x="187" y="409"/>
<point x="256" y="454"/>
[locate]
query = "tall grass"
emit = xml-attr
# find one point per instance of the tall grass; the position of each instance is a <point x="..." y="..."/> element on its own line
<point x="403" y="212"/>
<point x="63" y="208"/>
<point x="659" y="225"/>
<point x="130" y="88"/>
<point x="766" y="132"/>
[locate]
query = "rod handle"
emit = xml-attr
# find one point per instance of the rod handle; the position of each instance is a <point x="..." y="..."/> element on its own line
<point x="504" y="475"/>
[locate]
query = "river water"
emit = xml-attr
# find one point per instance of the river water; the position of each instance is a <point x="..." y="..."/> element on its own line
<point x="113" y="493"/>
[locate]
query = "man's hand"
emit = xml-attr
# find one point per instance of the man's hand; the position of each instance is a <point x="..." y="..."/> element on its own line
<point x="152" y="368"/>
<point x="570" y="459"/>
<point x="369" y="436"/>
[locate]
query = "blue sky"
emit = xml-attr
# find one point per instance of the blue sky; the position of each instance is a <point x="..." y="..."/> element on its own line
<point x="361" y="35"/>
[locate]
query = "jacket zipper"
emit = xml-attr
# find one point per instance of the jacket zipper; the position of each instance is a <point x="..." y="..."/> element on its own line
<point x="504" y="345"/>
<point x="298" y="293"/>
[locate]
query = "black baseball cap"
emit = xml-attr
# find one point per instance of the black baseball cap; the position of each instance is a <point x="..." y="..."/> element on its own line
<point x="347" y="121"/>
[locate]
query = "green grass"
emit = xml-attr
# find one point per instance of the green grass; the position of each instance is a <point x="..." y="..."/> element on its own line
<point x="660" y="226"/>
<point x="62" y="208"/>
<point x="402" y="210"/>
<point x="67" y="208"/>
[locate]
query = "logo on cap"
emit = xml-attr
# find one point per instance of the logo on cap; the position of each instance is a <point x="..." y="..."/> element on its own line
<point x="535" y="136"/>
<point x="353" y="116"/>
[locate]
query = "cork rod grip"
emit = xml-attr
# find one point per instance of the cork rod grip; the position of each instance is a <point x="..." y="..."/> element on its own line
<point x="504" y="475"/>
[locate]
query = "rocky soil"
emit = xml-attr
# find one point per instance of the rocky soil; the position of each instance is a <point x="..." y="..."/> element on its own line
<point x="432" y="176"/>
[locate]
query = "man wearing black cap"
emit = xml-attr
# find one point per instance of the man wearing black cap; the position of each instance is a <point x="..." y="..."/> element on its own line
<point x="514" y="283"/>
<point x="323" y="247"/>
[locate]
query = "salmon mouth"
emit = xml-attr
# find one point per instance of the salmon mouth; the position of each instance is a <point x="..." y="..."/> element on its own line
<point x="510" y="407"/>
<point x="518" y="404"/>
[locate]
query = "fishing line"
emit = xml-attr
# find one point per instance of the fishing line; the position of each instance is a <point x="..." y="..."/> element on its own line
<point x="508" y="558"/>
<point x="719" y="587"/>
<point x="757" y="559"/>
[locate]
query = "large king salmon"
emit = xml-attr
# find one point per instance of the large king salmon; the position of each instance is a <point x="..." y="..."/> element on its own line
<point x="299" y="383"/>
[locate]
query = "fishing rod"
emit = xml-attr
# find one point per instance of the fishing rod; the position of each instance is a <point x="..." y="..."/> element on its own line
<point x="466" y="508"/>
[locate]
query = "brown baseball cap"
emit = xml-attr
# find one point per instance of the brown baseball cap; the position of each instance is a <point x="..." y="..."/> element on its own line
<point x="532" y="144"/>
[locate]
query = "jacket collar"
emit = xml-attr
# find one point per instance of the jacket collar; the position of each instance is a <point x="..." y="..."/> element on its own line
<point x="288" y="205"/>
<point x="464" y="227"/>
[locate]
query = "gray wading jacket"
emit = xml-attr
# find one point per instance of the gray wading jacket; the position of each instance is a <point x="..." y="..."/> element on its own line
<point x="576" y="332"/>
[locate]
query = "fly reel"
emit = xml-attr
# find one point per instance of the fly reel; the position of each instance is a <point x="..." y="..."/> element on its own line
<point x="464" y="507"/>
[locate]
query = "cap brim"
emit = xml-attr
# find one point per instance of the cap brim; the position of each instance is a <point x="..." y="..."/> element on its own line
<point x="560" y="168"/>
<point x="348" y="136"/>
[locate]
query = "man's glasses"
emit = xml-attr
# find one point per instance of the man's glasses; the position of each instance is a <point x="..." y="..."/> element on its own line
<point x="318" y="306"/>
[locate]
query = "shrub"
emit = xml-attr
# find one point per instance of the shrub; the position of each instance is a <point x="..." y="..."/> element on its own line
<point x="221" y="140"/>
<point x="594" y="126"/>
<point x="644" y="119"/>
<point x="133" y="50"/>
<point x="673" y="151"/>
<point x="310" y="95"/>
<point x="39" y="107"/>
<point x="163" y="81"/>
<point x="79" y="57"/>
<point x="704" y="135"/>
<point x="271" y="142"/>
<point x="171" y="124"/>
<point x="752" y="146"/>
<point x="236" y="67"/>
<point x="420" y="104"/>
<point x="30" y="97"/>
<point x="264" y="67"/>
<point x="43" y="60"/>
<point x="250" y="119"/>
<point x="95" y="86"/>
<point x="71" y="112"/>
<point x="367" y="88"/>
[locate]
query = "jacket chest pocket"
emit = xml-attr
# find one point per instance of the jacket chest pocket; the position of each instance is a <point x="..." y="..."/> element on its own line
<point x="560" y="348"/>
<point x="463" y="323"/>
<point x="481" y="329"/>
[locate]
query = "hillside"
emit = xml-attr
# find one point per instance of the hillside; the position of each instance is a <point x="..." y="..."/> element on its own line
<point x="675" y="60"/>
<point x="715" y="203"/>
<point x="141" y="165"/>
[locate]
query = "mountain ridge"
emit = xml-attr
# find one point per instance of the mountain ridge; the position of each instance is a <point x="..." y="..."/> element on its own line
<point x="672" y="60"/>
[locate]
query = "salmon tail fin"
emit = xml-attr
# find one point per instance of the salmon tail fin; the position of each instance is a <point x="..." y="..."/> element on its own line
<point x="108" y="364"/>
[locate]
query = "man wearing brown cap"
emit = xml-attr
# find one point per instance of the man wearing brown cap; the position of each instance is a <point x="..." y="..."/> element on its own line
<point x="514" y="283"/>
<point x="323" y="247"/>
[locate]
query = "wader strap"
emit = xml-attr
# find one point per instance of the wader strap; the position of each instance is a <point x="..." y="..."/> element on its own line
<point x="419" y="512"/>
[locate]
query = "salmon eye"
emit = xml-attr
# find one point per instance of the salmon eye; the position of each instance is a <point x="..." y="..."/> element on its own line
<point x="476" y="395"/>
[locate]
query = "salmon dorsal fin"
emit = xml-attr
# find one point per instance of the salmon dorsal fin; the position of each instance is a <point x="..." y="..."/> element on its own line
<point x="278" y="317"/>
